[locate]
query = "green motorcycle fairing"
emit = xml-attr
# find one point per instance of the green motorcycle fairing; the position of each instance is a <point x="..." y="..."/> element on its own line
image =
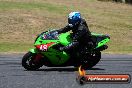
<point x="54" y="56"/>
<point x="65" y="38"/>
<point x="57" y="57"/>
<point x="101" y="39"/>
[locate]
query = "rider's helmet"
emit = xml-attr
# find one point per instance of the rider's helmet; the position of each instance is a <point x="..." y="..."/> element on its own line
<point x="74" y="18"/>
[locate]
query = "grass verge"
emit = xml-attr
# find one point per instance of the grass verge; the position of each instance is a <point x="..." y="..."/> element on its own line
<point x="21" y="21"/>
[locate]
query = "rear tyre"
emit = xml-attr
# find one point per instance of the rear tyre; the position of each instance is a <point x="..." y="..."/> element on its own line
<point x="29" y="61"/>
<point x="92" y="60"/>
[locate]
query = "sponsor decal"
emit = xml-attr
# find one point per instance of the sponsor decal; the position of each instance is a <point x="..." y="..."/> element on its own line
<point x="84" y="78"/>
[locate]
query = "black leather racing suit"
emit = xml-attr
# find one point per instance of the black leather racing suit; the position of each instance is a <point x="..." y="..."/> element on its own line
<point x="81" y="34"/>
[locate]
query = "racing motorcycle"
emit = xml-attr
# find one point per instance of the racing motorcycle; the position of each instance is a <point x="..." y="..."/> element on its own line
<point x="47" y="53"/>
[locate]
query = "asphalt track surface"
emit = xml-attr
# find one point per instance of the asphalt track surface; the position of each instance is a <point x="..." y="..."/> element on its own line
<point x="13" y="75"/>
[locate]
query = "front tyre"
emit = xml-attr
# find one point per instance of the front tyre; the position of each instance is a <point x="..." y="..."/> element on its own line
<point x="32" y="61"/>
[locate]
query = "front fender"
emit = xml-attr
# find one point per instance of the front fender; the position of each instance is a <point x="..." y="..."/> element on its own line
<point x="33" y="50"/>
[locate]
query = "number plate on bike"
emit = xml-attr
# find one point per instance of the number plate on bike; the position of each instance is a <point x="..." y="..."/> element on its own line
<point x="44" y="47"/>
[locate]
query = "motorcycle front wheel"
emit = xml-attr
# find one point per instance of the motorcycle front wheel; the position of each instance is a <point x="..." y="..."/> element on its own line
<point x="32" y="61"/>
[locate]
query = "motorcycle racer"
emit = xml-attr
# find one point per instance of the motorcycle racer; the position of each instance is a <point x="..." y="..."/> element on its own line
<point x="79" y="27"/>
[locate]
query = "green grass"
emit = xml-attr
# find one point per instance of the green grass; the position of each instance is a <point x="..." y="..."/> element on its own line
<point x="14" y="47"/>
<point x="8" y="5"/>
<point x="21" y="21"/>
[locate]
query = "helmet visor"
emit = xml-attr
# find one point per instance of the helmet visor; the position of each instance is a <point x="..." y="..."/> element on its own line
<point x="71" y="21"/>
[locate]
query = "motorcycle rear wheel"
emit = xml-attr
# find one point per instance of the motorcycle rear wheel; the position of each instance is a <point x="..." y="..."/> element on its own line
<point x="92" y="60"/>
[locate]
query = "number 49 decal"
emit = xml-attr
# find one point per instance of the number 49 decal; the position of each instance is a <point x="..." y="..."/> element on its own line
<point x="43" y="47"/>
